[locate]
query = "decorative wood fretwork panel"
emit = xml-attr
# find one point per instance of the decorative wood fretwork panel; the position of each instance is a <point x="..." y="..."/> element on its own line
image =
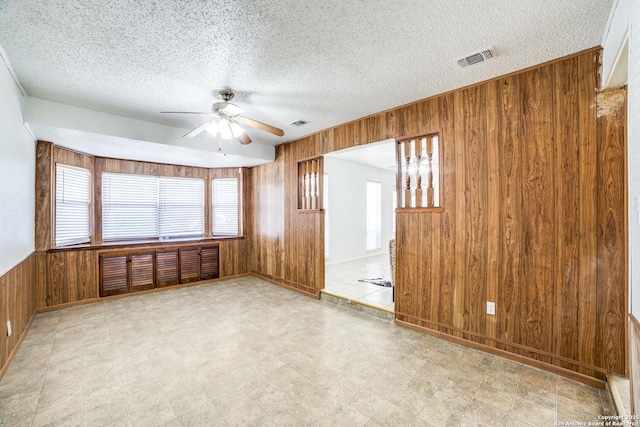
<point x="310" y="174"/>
<point x="418" y="177"/>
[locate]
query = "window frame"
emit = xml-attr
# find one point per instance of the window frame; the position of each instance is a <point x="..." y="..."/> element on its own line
<point x="158" y="208"/>
<point x="239" y="207"/>
<point x="57" y="210"/>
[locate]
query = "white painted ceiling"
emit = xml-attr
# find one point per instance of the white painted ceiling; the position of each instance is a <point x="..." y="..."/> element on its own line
<point x="379" y="155"/>
<point x="326" y="62"/>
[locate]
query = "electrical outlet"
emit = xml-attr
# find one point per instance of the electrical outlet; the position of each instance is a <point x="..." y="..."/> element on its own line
<point x="9" y="328"/>
<point x="491" y="308"/>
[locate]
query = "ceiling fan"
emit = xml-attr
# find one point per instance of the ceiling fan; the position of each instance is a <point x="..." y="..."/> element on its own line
<point x="226" y="121"/>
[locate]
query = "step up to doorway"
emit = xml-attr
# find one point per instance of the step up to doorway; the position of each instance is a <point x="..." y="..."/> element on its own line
<point x="355" y="305"/>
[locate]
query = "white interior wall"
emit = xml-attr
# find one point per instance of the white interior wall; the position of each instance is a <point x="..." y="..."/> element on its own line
<point x="17" y="175"/>
<point x="347" y="208"/>
<point x="633" y="141"/>
<point x="615" y="54"/>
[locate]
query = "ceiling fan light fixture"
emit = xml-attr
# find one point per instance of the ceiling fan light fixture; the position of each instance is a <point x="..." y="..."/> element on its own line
<point x="227" y="129"/>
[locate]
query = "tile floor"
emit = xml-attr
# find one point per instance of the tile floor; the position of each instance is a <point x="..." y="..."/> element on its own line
<point x="342" y="279"/>
<point x="246" y="352"/>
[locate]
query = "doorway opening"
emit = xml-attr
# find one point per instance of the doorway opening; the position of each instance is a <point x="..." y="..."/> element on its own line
<point x="359" y="205"/>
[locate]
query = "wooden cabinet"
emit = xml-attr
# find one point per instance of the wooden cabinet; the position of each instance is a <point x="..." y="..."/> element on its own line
<point x="142" y="270"/>
<point x="137" y="270"/>
<point x="199" y="263"/>
<point x="166" y="268"/>
<point x="114" y="277"/>
<point x="209" y="263"/>
<point x="126" y="272"/>
<point x="189" y="265"/>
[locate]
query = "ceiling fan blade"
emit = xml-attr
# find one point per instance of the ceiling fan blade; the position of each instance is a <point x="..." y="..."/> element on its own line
<point x="262" y="126"/>
<point x="232" y="110"/>
<point x="244" y="139"/>
<point x="184" y="112"/>
<point x="200" y="128"/>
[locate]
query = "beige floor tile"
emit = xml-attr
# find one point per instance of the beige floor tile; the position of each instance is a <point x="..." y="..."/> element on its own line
<point x="391" y="415"/>
<point x="535" y="395"/>
<point x="440" y="413"/>
<point x="342" y="416"/>
<point x="58" y="417"/>
<point x="244" y="351"/>
<point x="501" y="398"/>
<point x="484" y="414"/>
<point x="18" y="409"/>
<point x="159" y="415"/>
<point x="205" y="414"/>
<point x="114" y="413"/>
<point x="539" y="378"/>
<point x="246" y="414"/>
<point x="295" y="417"/>
<point x="532" y="414"/>
<point x="573" y="410"/>
<point x="107" y="394"/>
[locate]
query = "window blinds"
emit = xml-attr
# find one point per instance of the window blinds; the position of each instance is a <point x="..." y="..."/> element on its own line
<point x="225" y="207"/>
<point x="181" y="207"/>
<point x="141" y="206"/>
<point x="73" y="195"/>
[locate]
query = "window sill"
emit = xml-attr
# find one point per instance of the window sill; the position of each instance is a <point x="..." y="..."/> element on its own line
<point x="143" y="242"/>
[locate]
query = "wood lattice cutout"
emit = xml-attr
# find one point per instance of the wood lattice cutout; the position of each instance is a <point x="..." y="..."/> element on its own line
<point x="310" y="183"/>
<point x="418" y="178"/>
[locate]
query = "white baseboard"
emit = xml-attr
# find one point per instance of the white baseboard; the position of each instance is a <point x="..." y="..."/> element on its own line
<point x="369" y="255"/>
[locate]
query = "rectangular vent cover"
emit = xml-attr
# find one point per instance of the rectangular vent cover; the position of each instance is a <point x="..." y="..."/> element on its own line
<point x="476" y="58"/>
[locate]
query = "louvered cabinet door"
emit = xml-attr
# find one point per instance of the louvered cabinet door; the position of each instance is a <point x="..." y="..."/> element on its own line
<point x="189" y="265"/>
<point x="166" y="268"/>
<point x="142" y="271"/>
<point x="209" y="263"/>
<point x="114" y="277"/>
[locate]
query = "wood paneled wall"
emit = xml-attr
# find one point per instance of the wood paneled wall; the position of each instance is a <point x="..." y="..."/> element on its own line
<point x="533" y="195"/>
<point x="70" y="276"/>
<point x="17" y="304"/>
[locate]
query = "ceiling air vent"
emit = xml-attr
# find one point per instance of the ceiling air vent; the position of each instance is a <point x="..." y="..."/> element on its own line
<point x="298" y="123"/>
<point x="476" y="57"/>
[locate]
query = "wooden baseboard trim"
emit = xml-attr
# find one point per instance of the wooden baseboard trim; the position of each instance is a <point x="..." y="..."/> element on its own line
<point x="147" y="291"/>
<point x="614" y="398"/>
<point x="551" y="356"/>
<point x="507" y="355"/>
<point x="5" y="368"/>
<point x="292" y="286"/>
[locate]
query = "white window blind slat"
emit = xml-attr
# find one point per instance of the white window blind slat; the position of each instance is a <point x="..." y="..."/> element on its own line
<point x="73" y="195"/>
<point x="141" y="206"/>
<point x="225" y="207"/>
<point x="181" y="207"/>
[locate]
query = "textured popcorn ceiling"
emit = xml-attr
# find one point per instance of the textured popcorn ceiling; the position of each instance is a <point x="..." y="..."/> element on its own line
<point x="326" y="62"/>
